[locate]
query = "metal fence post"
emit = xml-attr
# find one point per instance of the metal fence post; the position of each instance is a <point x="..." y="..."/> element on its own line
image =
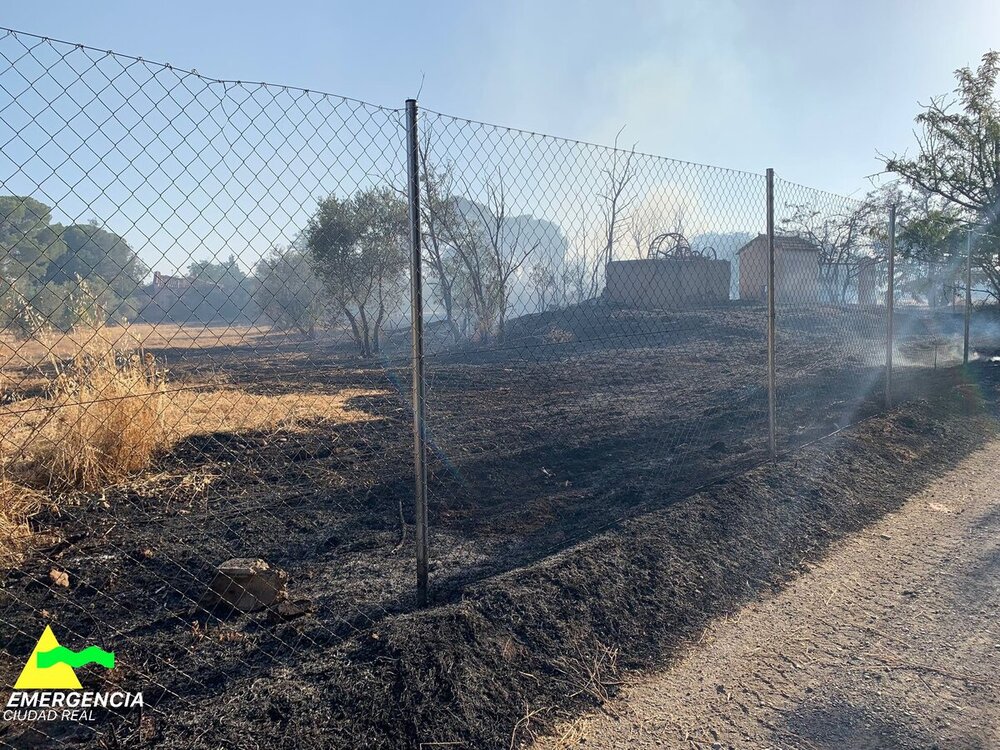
<point x="968" y="295"/>
<point x="417" y="337"/>
<point x="771" y="380"/>
<point x="890" y="306"/>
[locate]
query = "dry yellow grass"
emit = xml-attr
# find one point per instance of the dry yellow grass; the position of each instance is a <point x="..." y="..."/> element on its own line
<point x="106" y="421"/>
<point x="27" y="427"/>
<point x="198" y="412"/>
<point x="27" y="365"/>
<point x="104" y="417"/>
<point x="17" y="505"/>
<point x="20" y="354"/>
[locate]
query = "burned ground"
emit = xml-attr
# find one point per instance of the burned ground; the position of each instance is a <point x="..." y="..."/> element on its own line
<point x="577" y="421"/>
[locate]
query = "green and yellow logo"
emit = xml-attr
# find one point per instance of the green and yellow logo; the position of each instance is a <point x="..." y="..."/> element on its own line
<point x="49" y="690"/>
<point x="51" y="665"/>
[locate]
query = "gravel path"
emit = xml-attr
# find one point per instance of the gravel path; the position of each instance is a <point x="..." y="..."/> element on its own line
<point x="892" y="641"/>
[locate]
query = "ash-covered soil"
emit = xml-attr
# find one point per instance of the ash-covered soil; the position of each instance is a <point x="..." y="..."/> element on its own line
<point x="890" y="640"/>
<point x="576" y="421"/>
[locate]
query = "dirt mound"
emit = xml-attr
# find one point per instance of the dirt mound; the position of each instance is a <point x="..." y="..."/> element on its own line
<point x="522" y="649"/>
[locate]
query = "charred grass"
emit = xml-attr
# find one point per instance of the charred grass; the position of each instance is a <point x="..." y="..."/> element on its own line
<point x="572" y="532"/>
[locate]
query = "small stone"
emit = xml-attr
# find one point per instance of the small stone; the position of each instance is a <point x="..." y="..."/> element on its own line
<point x="289" y="610"/>
<point x="59" y="577"/>
<point x="245" y="584"/>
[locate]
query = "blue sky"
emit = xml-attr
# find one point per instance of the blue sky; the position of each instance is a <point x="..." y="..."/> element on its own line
<point x="814" y="90"/>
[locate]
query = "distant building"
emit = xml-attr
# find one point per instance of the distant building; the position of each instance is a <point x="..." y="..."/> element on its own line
<point x="667" y="283"/>
<point x="796" y="270"/>
<point x="183" y="299"/>
<point x="178" y="284"/>
<point x="868" y="282"/>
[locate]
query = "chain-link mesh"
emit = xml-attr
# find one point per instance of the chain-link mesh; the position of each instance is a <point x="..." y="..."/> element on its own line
<point x="934" y="306"/>
<point x="930" y="311"/>
<point x="206" y="439"/>
<point x="204" y="333"/>
<point x="584" y="357"/>
<point x="831" y="279"/>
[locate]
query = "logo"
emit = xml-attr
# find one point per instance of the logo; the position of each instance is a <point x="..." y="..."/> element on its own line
<point x="50" y="666"/>
<point x="49" y="689"/>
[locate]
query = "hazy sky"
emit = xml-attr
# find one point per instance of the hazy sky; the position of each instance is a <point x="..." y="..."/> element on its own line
<point x="813" y="89"/>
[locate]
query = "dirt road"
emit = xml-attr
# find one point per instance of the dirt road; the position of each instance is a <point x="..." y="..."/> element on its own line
<point x="892" y="641"/>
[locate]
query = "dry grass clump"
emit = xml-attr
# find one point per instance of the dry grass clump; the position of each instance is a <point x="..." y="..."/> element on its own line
<point x="556" y="335"/>
<point x="228" y="409"/>
<point x="88" y="410"/>
<point x="108" y="420"/>
<point x="17" y="505"/>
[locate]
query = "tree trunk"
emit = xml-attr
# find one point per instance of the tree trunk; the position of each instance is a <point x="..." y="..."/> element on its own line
<point x="366" y="344"/>
<point x="355" y="330"/>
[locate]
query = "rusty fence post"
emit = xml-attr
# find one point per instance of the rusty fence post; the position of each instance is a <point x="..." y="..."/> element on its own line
<point x="968" y="295"/>
<point x="417" y="354"/>
<point x="890" y="306"/>
<point x="772" y="442"/>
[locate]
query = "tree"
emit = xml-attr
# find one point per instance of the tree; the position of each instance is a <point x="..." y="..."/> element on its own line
<point x="28" y="243"/>
<point x="930" y="241"/>
<point x="844" y="239"/>
<point x="487" y="249"/>
<point x="357" y="248"/>
<point x="227" y="274"/>
<point x="506" y="250"/>
<point x="287" y="290"/>
<point x="618" y="176"/>
<point x="98" y="256"/>
<point x="957" y="166"/>
<point x="224" y="286"/>
<point x="545" y="284"/>
<point x="438" y="211"/>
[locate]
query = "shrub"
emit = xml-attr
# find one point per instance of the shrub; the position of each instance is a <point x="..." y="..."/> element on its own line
<point x="17" y="505"/>
<point x="107" y="419"/>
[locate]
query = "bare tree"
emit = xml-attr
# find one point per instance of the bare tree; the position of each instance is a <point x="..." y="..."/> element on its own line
<point x="506" y="249"/>
<point x="843" y="239"/>
<point x="582" y="271"/>
<point x="545" y="282"/>
<point x="438" y="212"/>
<point x="490" y="251"/>
<point x="618" y="177"/>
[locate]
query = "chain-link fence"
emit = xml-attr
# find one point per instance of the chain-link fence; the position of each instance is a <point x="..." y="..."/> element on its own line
<point x="583" y="355"/>
<point x="831" y="311"/>
<point x="187" y="388"/>
<point x="209" y="316"/>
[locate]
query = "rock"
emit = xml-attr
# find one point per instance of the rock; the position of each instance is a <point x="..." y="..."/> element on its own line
<point x="289" y="610"/>
<point x="59" y="577"/>
<point x="245" y="584"/>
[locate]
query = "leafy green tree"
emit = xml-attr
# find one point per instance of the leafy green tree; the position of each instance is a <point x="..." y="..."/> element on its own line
<point x="100" y="257"/>
<point x="28" y="246"/>
<point x="957" y="169"/>
<point x="28" y="243"/>
<point x="287" y="290"/>
<point x="225" y="289"/>
<point x="357" y="248"/>
<point x="227" y="274"/>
